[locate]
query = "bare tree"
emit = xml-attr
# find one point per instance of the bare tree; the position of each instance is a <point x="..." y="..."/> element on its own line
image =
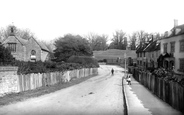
<point x="97" y="42"/>
<point x="22" y="33"/>
<point x="119" y="40"/>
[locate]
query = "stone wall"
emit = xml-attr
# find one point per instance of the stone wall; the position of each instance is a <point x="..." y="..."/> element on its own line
<point x="8" y="80"/>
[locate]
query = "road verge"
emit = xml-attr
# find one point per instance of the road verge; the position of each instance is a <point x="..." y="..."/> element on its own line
<point x="124" y="98"/>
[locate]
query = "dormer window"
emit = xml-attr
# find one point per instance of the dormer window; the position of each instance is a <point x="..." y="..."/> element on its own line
<point x="12" y="47"/>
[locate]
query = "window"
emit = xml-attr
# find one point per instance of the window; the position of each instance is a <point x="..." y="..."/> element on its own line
<point x="172" y="47"/>
<point x="12" y="47"/>
<point x="137" y="54"/>
<point x="181" y="45"/>
<point x="165" y="47"/>
<point x="181" y="65"/>
<point x="144" y="54"/>
<point x="33" y="52"/>
<point x="153" y="55"/>
<point x="140" y="54"/>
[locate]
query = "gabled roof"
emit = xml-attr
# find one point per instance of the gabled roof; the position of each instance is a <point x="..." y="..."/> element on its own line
<point x="41" y="44"/>
<point x="22" y="41"/>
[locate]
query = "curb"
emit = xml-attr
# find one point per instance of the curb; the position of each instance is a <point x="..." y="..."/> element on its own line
<point x="125" y="99"/>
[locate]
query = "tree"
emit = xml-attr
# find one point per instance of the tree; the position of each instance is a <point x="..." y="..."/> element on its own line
<point x="97" y="42"/>
<point x="132" y="41"/>
<point x="5" y="56"/>
<point x="70" y="45"/>
<point x="22" y="33"/>
<point x="119" y="40"/>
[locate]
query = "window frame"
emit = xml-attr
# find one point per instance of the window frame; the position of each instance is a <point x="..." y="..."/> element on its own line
<point x="172" y="43"/>
<point x="12" y="47"/>
<point x="181" y="65"/>
<point x="165" y="47"/>
<point x="181" y="41"/>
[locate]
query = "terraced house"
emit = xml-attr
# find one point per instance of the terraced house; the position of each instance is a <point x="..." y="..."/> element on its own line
<point x="148" y="53"/>
<point x="172" y="47"/>
<point x="25" y="50"/>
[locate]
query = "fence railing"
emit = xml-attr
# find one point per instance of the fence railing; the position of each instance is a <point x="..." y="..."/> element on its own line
<point x="17" y="83"/>
<point x="169" y="91"/>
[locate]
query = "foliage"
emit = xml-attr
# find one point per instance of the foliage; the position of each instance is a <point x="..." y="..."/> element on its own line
<point x="5" y="56"/>
<point x="44" y="67"/>
<point x="119" y="40"/>
<point x="84" y="60"/>
<point x="70" y="45"/>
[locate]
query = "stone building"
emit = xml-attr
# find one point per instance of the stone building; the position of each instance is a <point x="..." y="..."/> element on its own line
<point x="148" y="53"/>
<point x="172" y="49"/>
<point x="25" y="50"/>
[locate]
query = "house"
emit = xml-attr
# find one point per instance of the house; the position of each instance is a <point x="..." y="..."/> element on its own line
<point x="25" y="50"/>
<point x="172" y="49"/>
<point x="148" y="53"/>
<point x="141" y="56"/>
<point x="152" y="51"/>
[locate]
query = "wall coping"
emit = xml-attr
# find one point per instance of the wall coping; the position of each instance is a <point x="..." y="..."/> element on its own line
<point x="8" y="68"/>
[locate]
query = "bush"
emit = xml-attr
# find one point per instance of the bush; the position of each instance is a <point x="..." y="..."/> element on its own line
<point x="86" y="61"/>
<point x="44" y="67"/>
<point x="5" y="56"/>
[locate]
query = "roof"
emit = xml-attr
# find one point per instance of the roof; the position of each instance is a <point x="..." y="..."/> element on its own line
<point x="11" y="39"/>
<point x="153" y="46"/>
<point x="175" y="31"/>
<point x="24" y="42"/>
<point x="141" y="48"/>
<point x="41" y="44"/>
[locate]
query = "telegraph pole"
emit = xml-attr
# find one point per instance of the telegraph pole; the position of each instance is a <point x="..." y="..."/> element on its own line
<point x="125" y="59"/>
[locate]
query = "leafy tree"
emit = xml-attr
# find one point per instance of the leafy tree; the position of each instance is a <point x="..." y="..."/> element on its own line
<point x="70" y="45"/>
<point x="119" y="40"/>
<point x="5" y="56"/>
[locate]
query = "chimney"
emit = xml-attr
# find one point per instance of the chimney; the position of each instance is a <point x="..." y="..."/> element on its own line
<point x="175" y="22"/>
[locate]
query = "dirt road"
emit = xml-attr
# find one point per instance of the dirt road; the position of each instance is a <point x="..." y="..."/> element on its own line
<point x="100" y="95"/>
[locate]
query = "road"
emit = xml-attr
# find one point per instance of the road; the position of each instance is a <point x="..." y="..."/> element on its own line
<point x="99" y="95"/>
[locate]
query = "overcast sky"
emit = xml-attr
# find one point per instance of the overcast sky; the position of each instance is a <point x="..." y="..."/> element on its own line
<point x="49" y="19"/>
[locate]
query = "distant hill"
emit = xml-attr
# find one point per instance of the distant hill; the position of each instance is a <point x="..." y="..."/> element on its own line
<point x="113" y="54"/>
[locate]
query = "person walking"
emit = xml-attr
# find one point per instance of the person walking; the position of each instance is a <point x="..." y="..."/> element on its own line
<point x="112" y="71"/>
<point x="129" y="79"/>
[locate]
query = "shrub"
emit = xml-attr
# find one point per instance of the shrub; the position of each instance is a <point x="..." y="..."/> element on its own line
<point x="5" y="56"/>
<point x="84" y="60"/>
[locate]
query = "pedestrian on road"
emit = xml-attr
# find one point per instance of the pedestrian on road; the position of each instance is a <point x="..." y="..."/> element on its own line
<point x="129" y="79"/>
<point x="112" y="71"/>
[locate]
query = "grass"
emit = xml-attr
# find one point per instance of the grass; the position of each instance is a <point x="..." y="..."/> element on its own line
<point x="16" y="97"/>
<point x="113" y="54"/>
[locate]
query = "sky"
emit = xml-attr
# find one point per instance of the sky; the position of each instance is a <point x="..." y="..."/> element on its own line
<point x="50" y="19"/>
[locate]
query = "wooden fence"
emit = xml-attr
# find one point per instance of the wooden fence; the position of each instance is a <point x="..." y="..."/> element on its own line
<point x="18" y="83"/>
<point x="169" y="91"/>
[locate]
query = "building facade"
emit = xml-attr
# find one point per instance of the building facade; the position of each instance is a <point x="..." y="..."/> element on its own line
<point x="173" y="46"/>
<point x="25" y="50"/>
